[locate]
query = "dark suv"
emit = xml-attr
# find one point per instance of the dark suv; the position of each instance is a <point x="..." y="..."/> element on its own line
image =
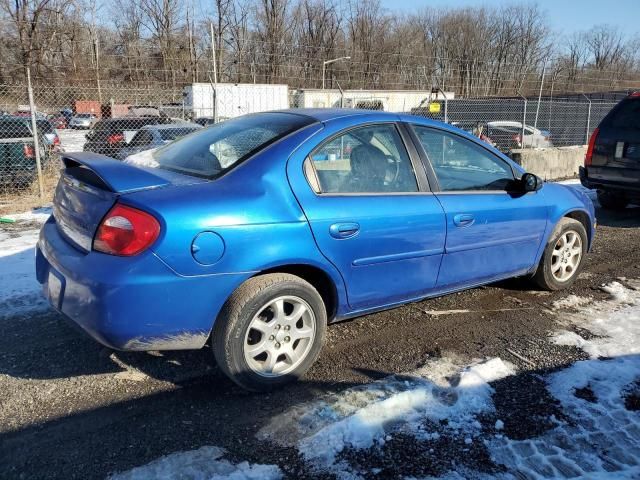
<point x="612" y="163"/>
<point x="109" y="136"/>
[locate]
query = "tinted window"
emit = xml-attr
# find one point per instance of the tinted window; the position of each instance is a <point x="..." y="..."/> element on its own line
<point x="174" y="133"/>
<point x="14" y="130"/>
<point x="370" y="159"/>
<point x="210" y="152"/>
<point x="626" y="115"/>
<point x="44" y="126"/>
<point x="462" y="165"/>
<point x="141" y="138"/>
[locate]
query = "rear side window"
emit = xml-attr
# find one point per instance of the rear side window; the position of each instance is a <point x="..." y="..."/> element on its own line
<point x="212" y="151"/>
<point x="370" y="159"/>
<point x="14" y="130"/>
<point x="625" y="115"/>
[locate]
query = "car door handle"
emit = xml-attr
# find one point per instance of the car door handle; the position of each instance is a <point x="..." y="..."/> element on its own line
<point x="344" y="230"/>
<point x="464" y="220"/>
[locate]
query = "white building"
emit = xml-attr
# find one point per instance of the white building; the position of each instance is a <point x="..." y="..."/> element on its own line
<point x="388" y="100"/>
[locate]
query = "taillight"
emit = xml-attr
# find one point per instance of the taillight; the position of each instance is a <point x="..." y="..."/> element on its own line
<point x="56" y="140"/>
<point x="126" y="231"/>
<point x="592" y="142"/>
<point x="518" y="139"/>
<point x="29" y="151"/>
<point x="115" y="138"/>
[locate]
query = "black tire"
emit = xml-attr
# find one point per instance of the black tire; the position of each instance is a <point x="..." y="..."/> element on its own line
<point x="544" y="277"/>
<point x="612" y="201"/>
<point x="230" y="329"/>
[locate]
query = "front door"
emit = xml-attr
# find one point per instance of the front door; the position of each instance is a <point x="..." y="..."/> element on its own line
<point x="370" y="217"/>
<point x="493" y="230"/>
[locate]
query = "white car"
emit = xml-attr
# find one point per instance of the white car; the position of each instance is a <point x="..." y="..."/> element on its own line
<point x="508" y="135"/>
<point x="83" y="120"/>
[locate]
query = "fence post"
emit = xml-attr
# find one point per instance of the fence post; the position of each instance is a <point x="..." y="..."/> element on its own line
<point x="34" y="129"/>
<point x="586" y="137"/>
<point x="524" y="119"/>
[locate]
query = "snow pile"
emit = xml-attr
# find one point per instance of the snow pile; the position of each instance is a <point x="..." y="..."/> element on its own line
<point x="615" y="322"/>
<point x="20" y="291"/>
<point x="362" y="417"/>
<point x="571" y="301"/>
<point x="202" y="464"/>
<point x="600" y="437"/>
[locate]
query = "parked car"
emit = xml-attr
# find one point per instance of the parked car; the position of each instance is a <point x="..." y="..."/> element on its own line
<point x="205" y="121"/>
<point x="49" y="135"/>
<point x="612" y="162"/>
<point x="27" y="113"/>
<point x="248" y="234"/>
<point x="110" y="135"/>
<point x="508" y="135"/>
<point x="83" y="121"/>
<point x="17" y="152"/>
<point x="154" y="136"/>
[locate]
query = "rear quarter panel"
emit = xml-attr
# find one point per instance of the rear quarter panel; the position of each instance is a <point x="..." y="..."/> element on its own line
<point x="252" y="208"/>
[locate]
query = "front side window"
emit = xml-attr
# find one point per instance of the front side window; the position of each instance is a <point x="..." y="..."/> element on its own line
<point x="461" y="165"/>
<point x="369" y="159"/>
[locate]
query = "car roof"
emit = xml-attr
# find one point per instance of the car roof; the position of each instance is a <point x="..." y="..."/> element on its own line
<point x="326" y="114"/>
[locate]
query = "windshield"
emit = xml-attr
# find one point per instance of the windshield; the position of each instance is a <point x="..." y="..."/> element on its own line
<point x="210" y="152"/>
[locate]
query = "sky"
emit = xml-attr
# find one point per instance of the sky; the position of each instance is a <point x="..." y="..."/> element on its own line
<point x="565" y="16"/>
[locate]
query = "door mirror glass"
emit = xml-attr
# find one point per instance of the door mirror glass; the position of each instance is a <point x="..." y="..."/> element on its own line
<point x="531" y="182"/>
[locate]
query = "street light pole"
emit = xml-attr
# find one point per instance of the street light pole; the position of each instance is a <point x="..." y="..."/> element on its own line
<point x="327" y="62"/>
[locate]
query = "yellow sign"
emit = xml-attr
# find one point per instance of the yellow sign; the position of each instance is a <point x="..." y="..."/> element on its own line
<point x="434" y="107"/>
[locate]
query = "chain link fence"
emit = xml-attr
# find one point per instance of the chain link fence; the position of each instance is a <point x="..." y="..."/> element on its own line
<point x="120" y="122"/>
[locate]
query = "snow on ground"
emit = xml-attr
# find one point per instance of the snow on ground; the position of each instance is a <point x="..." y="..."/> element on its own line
<point x="598" y="435"/>
<point x="205" y="463"/>
<point x="20" y="291"/>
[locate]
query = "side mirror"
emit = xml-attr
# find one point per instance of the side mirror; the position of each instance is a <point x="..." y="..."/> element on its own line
<point x="530" y="182"/>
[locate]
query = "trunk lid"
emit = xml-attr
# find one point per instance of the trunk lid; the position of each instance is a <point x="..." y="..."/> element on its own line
<point x="90" y="184"/>
<point x="618" y="142"/>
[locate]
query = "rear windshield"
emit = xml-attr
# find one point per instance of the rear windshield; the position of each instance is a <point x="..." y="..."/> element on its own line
<point x="626" y="115"/>
<point x="84" y="115"/>
<point x="14" y="130"/>
<point x="210" y="152"/>
<point x="174" y="133"/>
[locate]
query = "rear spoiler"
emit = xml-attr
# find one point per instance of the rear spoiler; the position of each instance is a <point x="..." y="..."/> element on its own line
<point x="112" y="175"/>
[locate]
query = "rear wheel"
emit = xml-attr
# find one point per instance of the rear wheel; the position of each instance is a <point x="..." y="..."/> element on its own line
<point x="270" y="331"/>
<point x="563" y="256"/>
<point x="612" y="201"/>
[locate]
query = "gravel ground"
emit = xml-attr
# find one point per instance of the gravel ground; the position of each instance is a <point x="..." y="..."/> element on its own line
<point x="70" y="408"/>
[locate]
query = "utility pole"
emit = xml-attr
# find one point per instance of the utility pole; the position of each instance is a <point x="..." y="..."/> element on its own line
<point x="34" y="129"/>
<point x="544" y="70"/>
<point x="97" y="57"/>
<point x="215" y="74"/>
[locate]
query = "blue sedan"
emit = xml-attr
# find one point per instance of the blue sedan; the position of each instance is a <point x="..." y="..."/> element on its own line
<point x="257" y="232"/>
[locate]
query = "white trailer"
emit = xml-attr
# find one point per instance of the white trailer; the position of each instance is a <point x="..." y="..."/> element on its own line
<point x="234" y="99"/>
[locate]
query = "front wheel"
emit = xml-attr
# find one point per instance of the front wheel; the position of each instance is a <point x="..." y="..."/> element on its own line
<point x="270" y="331"/>
<point x="563" y="256"/>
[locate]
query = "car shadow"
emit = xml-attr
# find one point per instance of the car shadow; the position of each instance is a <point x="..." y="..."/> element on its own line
<point x="626" y="218"/>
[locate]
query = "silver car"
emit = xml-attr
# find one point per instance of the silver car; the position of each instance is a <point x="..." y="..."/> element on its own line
<point x="153" y="136"/>
<point x="83" y="120"/>
<point x="508" y="134"/>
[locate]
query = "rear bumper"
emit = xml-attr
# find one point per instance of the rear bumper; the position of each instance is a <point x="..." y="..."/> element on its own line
<point x="625" y="181"/>
<point x="135" y="303"/>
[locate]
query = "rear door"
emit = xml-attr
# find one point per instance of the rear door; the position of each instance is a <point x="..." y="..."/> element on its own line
<point x="492" y="231"/>
<point x="372" y="215"/>
<point x="616" y="154"/>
